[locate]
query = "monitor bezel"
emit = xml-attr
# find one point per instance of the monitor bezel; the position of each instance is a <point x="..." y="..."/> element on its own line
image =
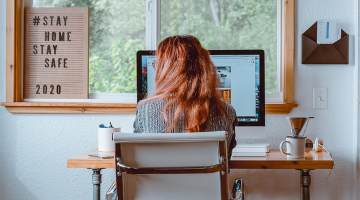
<point x="261" y="53"/>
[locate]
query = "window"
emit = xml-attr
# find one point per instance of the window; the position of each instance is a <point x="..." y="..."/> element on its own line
<point x="122" y="28"/>
<point x="117" y="32"/>
<point x="227" y="24"/>
<point x="268" y="24"/>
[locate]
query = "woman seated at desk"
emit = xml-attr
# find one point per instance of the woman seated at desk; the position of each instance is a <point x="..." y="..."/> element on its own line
<point x="186" y="97"/>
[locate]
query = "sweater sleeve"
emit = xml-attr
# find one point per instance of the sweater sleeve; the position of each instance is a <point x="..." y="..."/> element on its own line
<point x="137" y="122"/>
<point x="233" y="139"/>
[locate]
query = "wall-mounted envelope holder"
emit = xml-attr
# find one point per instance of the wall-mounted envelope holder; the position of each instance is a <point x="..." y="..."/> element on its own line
<point x="314" y="53"/>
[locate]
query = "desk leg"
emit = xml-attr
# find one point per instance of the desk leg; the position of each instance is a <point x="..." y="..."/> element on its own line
<point x="305" y="181"/>
<point x="96" y="180"/>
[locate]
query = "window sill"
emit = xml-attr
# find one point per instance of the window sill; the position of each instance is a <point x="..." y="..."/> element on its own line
<point x="70" y="108"/>
<point x="105" y="108"/>
<point x="279" y="108"/>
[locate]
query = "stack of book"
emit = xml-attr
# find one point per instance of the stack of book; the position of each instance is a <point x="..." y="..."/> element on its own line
<point x="250" y="150"/>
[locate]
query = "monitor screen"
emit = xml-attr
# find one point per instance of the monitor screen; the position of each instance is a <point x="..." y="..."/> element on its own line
<point x="240" y="74"/>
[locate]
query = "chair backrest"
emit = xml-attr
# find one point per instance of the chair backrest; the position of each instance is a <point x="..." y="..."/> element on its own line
<point x="171" y="166"/>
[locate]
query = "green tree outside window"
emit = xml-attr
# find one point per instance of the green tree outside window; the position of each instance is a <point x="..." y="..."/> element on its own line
<point x="117" y="32"/>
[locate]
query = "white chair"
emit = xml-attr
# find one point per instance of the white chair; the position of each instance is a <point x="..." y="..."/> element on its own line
<point x="184" y="166"/>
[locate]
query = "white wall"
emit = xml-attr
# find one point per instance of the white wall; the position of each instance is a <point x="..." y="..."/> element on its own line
<point x="334" y="125"/>
<point x="34" y="147"/>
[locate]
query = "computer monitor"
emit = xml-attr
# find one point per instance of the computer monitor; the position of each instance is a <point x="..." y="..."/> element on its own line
<point x="241" y="77"/>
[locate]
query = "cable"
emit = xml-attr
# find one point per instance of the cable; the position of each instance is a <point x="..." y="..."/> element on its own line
<point x="326" y="151"/>
<point x="337" y="184"/>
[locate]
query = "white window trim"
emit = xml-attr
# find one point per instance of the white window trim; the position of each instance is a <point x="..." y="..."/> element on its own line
<point x="278" y="96"/>
<point x="152" y="24"/>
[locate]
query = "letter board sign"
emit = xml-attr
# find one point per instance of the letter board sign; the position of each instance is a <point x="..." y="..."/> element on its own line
<point x="56" y="59"/>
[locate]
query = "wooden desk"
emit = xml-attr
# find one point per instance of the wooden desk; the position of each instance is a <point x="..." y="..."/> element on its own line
<point x="274" y="160"/>
<point x="277" y="160"/>
<point x="85" y="161"/>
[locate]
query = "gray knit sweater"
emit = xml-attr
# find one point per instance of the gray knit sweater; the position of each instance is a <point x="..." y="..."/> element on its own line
<point x="150" y="119"/>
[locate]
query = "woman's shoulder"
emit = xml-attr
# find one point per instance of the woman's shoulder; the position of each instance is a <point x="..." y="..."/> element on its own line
<point x="151" y="103"/>
<point x="230" y="111"/>
<point x="229" y="108"/>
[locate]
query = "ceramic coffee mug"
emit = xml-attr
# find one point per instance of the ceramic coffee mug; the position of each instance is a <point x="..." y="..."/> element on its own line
<point x="295" y="147"/>
<point x="105" y="142"/>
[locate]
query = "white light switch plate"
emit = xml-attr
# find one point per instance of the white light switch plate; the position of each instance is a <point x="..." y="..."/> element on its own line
<point x="320" y="98"/>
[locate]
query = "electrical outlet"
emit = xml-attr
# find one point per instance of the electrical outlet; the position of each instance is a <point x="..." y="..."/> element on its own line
<point x="320" y="99"/>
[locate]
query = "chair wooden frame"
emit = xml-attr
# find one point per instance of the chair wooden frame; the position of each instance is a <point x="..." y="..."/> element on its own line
<point x="222" y="167"/>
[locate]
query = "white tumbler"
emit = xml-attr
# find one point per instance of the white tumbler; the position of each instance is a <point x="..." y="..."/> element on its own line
<point x="105" y="142"/>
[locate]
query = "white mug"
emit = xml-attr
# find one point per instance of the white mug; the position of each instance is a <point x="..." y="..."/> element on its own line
<point x="105" y="142"/>
<point x="295" y="147"/>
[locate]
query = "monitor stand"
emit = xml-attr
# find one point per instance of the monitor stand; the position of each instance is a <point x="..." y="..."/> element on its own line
<point x="250" y="132"/>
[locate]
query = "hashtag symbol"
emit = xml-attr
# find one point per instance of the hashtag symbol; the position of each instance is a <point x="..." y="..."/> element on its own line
<point x="36" y="20"/>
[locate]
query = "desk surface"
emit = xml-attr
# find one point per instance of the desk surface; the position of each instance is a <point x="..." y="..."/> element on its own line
<point x="277" y="160"/>
<point x="274" y="160"/>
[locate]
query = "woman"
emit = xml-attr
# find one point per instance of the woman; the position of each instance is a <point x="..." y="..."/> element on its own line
<point x="186" y="97"/>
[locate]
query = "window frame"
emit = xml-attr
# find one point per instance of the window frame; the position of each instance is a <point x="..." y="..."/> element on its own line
<point x="14" y="57"/>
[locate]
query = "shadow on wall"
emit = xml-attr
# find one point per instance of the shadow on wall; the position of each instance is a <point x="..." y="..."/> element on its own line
<point x="11" y="188"/>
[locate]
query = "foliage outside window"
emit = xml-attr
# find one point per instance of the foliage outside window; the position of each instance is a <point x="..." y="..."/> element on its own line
<point x="227" y="24"/>
<point x="117" y="31"/>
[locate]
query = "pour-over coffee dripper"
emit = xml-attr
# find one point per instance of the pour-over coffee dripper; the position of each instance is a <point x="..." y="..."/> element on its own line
<point x="295" y="143"/>
<point x="297" y="123"/>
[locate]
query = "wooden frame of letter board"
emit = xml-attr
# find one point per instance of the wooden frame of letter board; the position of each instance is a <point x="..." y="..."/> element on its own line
<point x="74" y="80"/>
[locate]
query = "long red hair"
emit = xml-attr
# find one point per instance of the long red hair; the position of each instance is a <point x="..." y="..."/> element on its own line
<point x="186" y="76"/>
